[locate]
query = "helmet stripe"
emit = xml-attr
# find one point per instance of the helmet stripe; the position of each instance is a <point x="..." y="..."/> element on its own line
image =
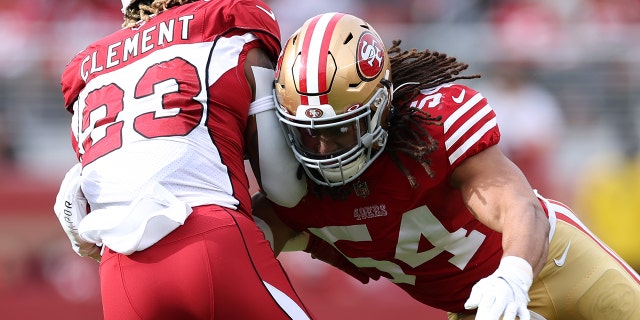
<point x="303" y="60"/>
<point x="324" y="53"/>
<point x="314" y="57"/>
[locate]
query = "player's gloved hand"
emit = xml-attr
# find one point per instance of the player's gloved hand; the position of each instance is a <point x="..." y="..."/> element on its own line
<point x="503" y="293"/>
<point x="71" y="208"/>
<point x="323" y="251"/>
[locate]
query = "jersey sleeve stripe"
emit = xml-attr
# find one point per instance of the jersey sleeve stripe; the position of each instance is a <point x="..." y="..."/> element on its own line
<point x="472" y="140"/>
<point x="466" y="126"/>
<point x="448" y="124"/>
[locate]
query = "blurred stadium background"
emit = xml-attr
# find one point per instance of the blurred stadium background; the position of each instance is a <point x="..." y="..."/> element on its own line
<point x="562" y="75"/>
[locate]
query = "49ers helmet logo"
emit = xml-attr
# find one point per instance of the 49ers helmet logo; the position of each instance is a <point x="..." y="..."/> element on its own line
<point x="314" y="113"/>
<point x="370" y="56"/>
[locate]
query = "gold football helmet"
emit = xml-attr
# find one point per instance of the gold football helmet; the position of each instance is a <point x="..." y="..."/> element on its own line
<point x="333" y="92"/>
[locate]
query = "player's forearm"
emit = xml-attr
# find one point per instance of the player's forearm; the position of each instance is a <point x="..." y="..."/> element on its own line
<point x="514" y="211"/>
<point x="525" y="234"/>
<point x="271" y="224"/>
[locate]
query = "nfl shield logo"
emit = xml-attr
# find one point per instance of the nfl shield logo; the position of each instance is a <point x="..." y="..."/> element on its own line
<point x="361" y="189"/>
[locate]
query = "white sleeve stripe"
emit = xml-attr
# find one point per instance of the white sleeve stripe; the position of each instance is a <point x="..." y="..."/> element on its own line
<point x="466" y="126"/>
<point x="461" y="111"/>
<point x="472" y="140"/>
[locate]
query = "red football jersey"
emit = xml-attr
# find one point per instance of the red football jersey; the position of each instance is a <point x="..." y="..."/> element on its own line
<point x="424" y="239"/>
<point x="167" y="101"/>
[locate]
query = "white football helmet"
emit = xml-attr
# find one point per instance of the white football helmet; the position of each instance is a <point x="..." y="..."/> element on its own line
<point x="125" y="4"/>
<point x="333" y="91"/>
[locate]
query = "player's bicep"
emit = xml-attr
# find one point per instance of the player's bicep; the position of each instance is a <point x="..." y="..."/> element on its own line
<point x="272" y="160"/>
<point x="257" y="60"/>
<point x="257" y="68"/>
<point x="490" y="185"/>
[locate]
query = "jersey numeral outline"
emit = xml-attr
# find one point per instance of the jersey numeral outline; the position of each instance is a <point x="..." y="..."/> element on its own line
<point x="434" y="100"/>
<point x="417" y="223"/>
<point x="103" y="105"/>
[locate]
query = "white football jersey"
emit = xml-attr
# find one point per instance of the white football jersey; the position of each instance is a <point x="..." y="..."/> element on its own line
<point x="167" y="102"/>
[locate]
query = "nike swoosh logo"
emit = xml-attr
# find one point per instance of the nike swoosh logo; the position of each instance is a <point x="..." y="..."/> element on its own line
<point x="459" y="98"/>
<point x="563" y="258"/>
<point x="268" y="12"/>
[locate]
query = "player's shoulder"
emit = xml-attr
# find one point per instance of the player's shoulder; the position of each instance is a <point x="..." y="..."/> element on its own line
<point x="452" y="102"/>
<point x="468" y="121"/>
<point x="446" y="99"/>
<point x="253" y="16"/>
<point x="242" y="11"/>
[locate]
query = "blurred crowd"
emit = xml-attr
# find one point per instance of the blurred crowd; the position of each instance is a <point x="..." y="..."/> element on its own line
<point x="563" y="77"/>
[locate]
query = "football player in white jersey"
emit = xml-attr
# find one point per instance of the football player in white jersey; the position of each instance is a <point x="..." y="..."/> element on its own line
<point x="164" y="111"/>
<point x="406" y="181"/>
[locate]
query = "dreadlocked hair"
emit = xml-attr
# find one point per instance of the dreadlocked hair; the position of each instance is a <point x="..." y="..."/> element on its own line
<point x="411" y="72"/>
<point x="143" y="10"/>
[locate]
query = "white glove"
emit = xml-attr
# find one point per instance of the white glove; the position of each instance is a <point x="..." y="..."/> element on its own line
<point x="71" y="208"/>
<point x="505" y="292"/>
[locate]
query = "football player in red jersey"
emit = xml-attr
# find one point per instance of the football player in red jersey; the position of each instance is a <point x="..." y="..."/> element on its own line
<point x="407" y="182"/>
<point x="164" y="111"/>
